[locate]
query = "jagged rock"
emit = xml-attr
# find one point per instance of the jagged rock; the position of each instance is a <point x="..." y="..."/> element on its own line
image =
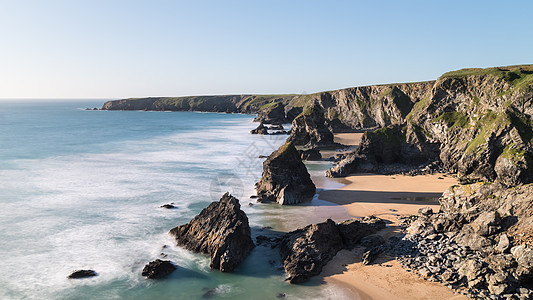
<point x="425" y="211"/>
<point x="372" y="241"/>
<point x="220" y="230"/>
<point x="371" y="254"/>
<point x="273" y="113"/>
<point x="158" y="268"/>
<point x="285" y="178"/>
<point x="261" y="129"/>
<point x="168" y="206"/>
<point x="310" y="129"/>
<point x="276" y="127"/>
<point x="487" y="223"/>
<point x="82" y="274"/>
<point x="305" y="251"/>
<point x="352" y="231"/>
<point x="310" y="154"/>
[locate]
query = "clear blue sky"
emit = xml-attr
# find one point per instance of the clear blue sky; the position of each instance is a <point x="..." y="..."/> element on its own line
<point x="116" y="49"/>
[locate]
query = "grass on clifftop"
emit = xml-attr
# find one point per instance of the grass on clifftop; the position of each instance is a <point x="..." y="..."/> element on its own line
<point x="520" y="76"/>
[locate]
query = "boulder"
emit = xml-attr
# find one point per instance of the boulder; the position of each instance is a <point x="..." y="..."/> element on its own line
<point x="158" y="268"/>
<point x="78" y="274"/>
<point x="305" y="251"/>
<point x="220" y="230"/>
<point x="352" y="231"/>
<point x="285" y="178"/>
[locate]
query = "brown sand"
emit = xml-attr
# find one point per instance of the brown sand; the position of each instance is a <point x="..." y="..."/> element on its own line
<point x="386" y="197"/>
<point x="349" y="139"/>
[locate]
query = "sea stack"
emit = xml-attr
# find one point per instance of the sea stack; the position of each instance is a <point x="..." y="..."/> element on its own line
<point x="310" y="128"/>
<point x="285" y="178"/>
<point x="220" y="230"/>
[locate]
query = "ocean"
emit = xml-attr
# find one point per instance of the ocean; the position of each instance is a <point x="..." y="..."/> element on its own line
<point x="82" y="189"/>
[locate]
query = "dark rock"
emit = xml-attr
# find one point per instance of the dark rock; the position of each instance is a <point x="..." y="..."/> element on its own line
<point x="158" y="268"/>
<point x="371" y="254"/>
<point x="253" y="197"/>
<point x="425" y="211"/>
<point x="279" y="132"/>
<point x="281" y="295"/>
<point x="372" y="241"/>
<point x="261" y="129"/>
<point x="273" y="113"/>
<point x="285" y="178"/>
<point x="305" y="251"/>
<point x="167" y="206"/>
<point x="82" y="274"/>
<point x="220" y="230"/>
<point x="310" y="129"/>
<point x="352" y="231"/>
<point x="276" y="127"/>
<point x="311" y="154"/>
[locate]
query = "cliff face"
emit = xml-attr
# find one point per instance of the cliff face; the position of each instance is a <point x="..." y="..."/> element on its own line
<point x="476" y="123"/>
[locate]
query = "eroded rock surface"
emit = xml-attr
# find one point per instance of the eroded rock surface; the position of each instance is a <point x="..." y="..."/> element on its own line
<point x="285" y="178"/>
<point x="220" y="230"/>
<point x="158" y="269"/>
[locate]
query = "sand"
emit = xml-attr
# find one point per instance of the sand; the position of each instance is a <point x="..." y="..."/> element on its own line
<point x="386" y="197"/>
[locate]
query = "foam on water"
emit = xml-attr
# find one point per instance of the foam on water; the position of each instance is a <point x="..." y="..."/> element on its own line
<point x="94" y="203"/>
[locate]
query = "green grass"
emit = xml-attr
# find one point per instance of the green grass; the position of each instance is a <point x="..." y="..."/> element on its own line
<point x="485" y="125"/>
<point x="520" y="76"/>
<point x="388" y="135"/>
<point x="453" y="118"/>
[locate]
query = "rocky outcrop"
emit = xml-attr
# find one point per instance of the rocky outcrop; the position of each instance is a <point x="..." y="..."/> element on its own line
<point x="305" y="251"/>
<point x="261" y="129"/>
<point x="476" y="123"/>
<point x="285" y="178"/>
<point x="158" y="269"/>
<point x="480" y="241"/>
<point x="310" y="129"/>
<point x="78" y="274"/>
<point x="220" y="230"/>
<point x="273" y="113"/>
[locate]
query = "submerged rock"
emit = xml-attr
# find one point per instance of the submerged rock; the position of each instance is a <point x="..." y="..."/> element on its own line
<point x="220" y="230"/>
<point x="82" y="274"/>
<point x="158" y="268"/>
<point x="285" y="178"/>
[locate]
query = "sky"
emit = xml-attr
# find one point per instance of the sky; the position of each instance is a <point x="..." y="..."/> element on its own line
<point x="125" y="48"/>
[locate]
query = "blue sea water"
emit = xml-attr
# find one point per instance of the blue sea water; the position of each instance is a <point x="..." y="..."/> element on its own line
<point x="82" y="189"/>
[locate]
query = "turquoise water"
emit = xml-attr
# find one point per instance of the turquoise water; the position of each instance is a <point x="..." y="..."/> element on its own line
<point x="82" y="189"/>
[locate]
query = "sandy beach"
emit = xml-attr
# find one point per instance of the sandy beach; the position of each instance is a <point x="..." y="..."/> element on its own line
<point x="387" y="197"/>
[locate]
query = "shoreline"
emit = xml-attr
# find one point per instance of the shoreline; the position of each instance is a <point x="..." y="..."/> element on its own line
<point x="388" y="197"/>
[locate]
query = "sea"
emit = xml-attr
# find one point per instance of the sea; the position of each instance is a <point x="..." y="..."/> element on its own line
<point x="82" y="189"/>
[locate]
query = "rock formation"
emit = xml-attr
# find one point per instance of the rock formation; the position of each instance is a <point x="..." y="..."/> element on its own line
<point x="310" y="129"/>
<point x="220" y="230"/>
<point x="261" y="129"/>
<point x="285" y="178"/>
<point x="481" y="240"/>
<point x="158" y="269"/>
<point x="78" y="274"/>
<point x="305" y="251"/>
<point x="273" y="113"/>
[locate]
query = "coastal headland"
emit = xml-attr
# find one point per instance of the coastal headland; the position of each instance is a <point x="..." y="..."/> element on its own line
<point x="447" y="164"/>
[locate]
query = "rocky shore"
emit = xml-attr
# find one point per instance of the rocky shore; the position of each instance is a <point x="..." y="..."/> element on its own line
<point x="476" y="124"/>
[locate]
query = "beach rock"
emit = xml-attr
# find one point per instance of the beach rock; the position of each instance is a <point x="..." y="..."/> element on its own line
<point x="158" y="268"/>
<point x="371" y="254"/>
<point x="261" y="129"/>
<point x="352" y="231"/>
<point x="305" y="251"/>
<point x="78" y="274"/>
<point x="285" y="178"/>
<point x="310" y="129"/>
<point x="273" y="113"/>
<point x="220" y="230"/>
<point x="310" y="154"/>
